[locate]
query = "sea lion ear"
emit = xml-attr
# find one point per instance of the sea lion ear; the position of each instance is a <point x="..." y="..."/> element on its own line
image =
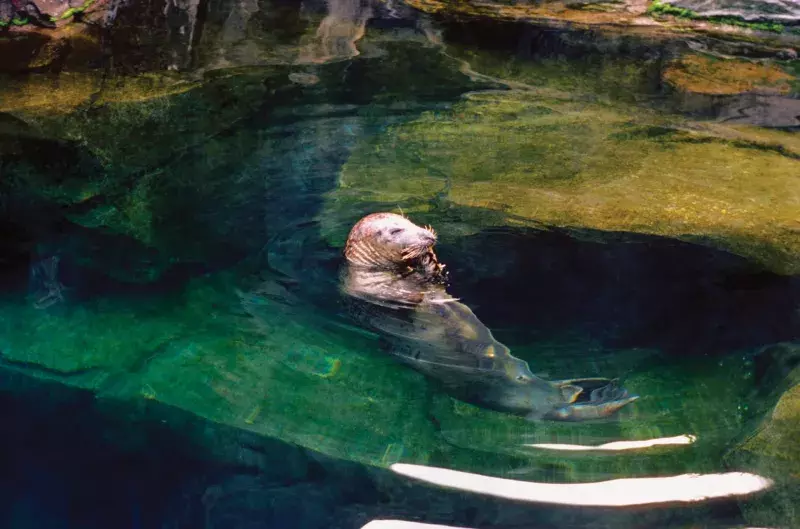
<point x="570" y="392"/>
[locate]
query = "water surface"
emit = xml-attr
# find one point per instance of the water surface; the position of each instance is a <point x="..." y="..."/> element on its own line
<point x="173" y="218"/>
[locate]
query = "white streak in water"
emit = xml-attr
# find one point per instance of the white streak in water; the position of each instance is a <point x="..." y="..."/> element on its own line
<point x="616" y="493"/>
<point x="400" y="524"/>
<point x="620" y="445"/>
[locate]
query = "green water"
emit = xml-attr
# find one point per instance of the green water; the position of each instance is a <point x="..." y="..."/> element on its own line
<point x="600" y="220"/>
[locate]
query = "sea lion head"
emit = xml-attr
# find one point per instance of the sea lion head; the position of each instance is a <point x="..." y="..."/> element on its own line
<point x="385" y="241"/>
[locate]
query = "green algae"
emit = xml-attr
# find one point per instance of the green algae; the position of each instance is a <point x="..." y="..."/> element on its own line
<point x="115" y="168"/>
<point x="662" y="8"/>
<point x="72" y="11"/>
<point x="778" y="436"/>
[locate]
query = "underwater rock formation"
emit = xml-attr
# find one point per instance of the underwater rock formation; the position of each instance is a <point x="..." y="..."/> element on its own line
<point x="704" y="75"/>
<point x="770" y="447"/>
<point x="573" y="165"/>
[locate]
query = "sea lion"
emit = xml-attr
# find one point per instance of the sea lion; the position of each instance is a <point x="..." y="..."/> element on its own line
<point x="398" y="287"/>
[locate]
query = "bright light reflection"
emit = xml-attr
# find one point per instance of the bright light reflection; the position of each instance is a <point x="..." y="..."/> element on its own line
<point x="621" y="445"/>
<point x="399" y="524"/>
<point x="618" y="492"/>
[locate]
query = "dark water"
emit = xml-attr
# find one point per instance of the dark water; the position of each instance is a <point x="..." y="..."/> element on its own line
<point x="175" y="193"/>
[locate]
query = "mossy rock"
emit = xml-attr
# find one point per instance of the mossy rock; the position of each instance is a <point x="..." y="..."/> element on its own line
<point x="285" y="372"/>
<point x="282" y="374"/>
<point x="101" y="153"/>
<point x="785" y="11"/>
<point x="778" y="436"/>
<point x="706" y="75"/>
<point x="770" y="447"/>
<point x="773" y="445"/>
<point x="515" y="158"/>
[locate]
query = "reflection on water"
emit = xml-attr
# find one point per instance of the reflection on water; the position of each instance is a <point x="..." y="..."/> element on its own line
<point x="178" y="184"/>
<point x="617" y="493"/>
<point x="622" y="445"/>
<point x="47" y="289"/>
<point x="337" y="34"/>
<point x="397" y="524"/>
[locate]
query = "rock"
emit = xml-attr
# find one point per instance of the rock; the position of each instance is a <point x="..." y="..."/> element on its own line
<point x="704" y="75"/>
<point x="577" y="165"/>
<point x="114" y="174"/>
<point x="768" y="111"/>
<point x="771" y="449"/>
<point x="623" y="19"/>
<point x="787" y="11"/>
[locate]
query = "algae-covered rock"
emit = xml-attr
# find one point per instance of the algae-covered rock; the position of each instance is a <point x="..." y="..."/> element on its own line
<point x="774" y="442"/>
<point x="620" y="20"/>
<point x="282" y="373"/>
<point x="770" y="446"/>
<point x="777" y="438"/>
<point x="706" y="75"/>
<point x="751" y="10"/>
<point x="514" y="158"/>
<point x="99" y="153"/>
<point x="281" y="370"/>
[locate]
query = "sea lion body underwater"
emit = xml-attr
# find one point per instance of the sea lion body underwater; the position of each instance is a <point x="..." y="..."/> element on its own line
<point x="396" y="286"/>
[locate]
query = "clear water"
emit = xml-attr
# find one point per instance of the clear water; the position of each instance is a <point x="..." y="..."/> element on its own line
<point x="173" y="347"/>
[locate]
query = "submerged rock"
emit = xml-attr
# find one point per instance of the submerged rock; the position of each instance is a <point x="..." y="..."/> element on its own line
<point x="518" y="159"/>
<point x="774" y="444"/>
<point x="705" y="75"/>
<point x="771" y="448"/>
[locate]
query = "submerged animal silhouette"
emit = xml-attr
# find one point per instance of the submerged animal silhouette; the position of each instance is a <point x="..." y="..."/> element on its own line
<point x="395" y="285"/>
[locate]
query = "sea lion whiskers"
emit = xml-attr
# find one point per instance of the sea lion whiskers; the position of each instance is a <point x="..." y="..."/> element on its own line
<point x="413" y="252"/>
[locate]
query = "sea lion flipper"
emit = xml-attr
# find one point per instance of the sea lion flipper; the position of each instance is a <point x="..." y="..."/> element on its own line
<point x="594" y="402"/>
<point x="570" y="392"/>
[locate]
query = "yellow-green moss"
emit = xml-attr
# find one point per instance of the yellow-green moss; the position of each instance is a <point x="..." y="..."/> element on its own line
<point x="579" y="165"/>
<point x="706" y="75"/>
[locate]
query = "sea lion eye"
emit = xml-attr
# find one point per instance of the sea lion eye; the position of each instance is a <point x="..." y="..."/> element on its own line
<point x="395" y="231"/>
